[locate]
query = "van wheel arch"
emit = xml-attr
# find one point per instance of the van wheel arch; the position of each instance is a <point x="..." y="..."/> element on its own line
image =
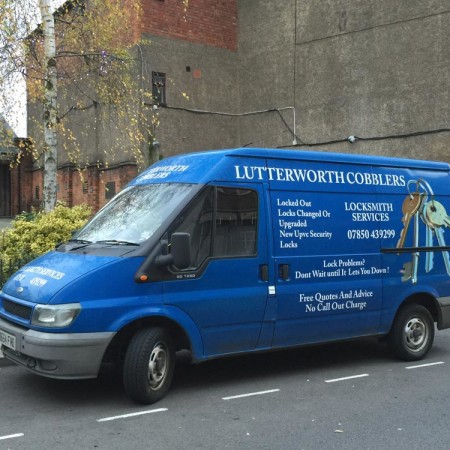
<point x="115" y="353"/>
<point x="424" y="299"/>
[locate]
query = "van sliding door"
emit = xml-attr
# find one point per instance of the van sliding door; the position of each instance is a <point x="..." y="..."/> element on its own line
<point x="326" y="253"/>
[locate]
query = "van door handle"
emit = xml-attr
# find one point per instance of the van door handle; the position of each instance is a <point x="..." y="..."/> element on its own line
<point x="283" y="272"/>
<point x="264" y="272"/>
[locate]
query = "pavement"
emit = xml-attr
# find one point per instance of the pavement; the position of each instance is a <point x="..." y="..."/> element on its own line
<point x="5" y="222"/>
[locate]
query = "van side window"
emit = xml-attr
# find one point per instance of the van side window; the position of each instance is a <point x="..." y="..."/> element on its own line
<point x="235" y="222"/>
<point x="222" y="222"/>
<point x="197" y="221"/>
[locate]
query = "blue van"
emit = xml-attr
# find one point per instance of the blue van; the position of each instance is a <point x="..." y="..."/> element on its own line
<point x="234" y="251"/>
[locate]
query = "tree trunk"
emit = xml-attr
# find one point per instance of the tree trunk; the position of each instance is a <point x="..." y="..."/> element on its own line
<point x="49" y="118"/>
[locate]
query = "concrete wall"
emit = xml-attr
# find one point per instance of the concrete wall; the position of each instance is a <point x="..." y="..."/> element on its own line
<point x="364" y="68"/>
<point x="266" y="70"/>
<point x="208" y="76"/>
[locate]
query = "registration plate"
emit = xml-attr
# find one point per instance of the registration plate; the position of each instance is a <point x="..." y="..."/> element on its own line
<point x="8" y="340"/>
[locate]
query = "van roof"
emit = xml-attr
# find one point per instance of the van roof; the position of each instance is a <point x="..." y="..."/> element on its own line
<point x="308" y="155"/>
<point x="221" y="165"/>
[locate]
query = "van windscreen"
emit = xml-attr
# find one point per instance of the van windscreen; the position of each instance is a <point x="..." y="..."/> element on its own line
<point x="135" y="214"/>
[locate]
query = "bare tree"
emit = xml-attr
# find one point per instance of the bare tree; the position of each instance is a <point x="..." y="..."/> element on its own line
<point x="81" y="56"/>
<point x="50" y="109"/>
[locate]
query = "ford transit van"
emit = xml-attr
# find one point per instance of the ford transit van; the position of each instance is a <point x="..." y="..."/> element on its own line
<point x="233" y="251"/>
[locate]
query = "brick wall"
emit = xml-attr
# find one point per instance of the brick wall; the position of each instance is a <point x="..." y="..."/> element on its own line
<point x="114" y="180"/>
<point x="21" y="186"/>
<point x="74" y="187"/>
<point x="209" y="22"/>
<point x="85" y="187"/>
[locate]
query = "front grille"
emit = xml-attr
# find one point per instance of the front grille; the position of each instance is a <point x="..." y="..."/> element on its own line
<point x="17" y="309"/>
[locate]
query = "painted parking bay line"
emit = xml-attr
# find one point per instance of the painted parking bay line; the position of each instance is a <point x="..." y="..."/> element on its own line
<point x="126" y="416"/>
<point x="11" y="436"/>
<point x="352" y="377"/>
<point x="425" y="365"/>
<point x="250" y="394"/>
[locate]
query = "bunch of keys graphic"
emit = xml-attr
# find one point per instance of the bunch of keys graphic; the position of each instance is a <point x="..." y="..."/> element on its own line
<point x="421" y="205"/>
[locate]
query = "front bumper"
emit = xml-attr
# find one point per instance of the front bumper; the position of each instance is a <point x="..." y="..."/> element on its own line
<point x="57" y="355"/>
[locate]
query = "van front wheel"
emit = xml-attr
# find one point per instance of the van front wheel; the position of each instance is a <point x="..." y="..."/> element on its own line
<point x="149" y="365"/>
<point x="412" y="333"/>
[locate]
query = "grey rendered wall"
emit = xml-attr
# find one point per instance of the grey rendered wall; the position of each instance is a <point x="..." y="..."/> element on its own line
<point x="266" y="70"/>
<point x="364" y="68"/>
<point x="211" y="86"/>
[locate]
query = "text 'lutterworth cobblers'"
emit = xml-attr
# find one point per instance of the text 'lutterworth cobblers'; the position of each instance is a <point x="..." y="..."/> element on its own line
<point x="290" y="175"/>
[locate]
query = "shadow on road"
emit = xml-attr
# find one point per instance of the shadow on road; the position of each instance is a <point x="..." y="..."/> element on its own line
<point x="220" y="373"/>
<point x="299" y="362"/>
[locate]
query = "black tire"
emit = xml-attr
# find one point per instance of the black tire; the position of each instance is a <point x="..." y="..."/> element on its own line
<point x="412" y="333"/>
<point x="149" y="365"/>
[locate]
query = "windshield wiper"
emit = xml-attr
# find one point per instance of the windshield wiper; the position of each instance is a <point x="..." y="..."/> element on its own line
<point x="79" y="241"/>
<point x="117" y="242"/>
<point x="82" y="243"/>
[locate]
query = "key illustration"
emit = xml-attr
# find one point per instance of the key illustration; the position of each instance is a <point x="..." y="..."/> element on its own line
<point x="429" y="239"/>
<point x="410" y="207"/>
<point x="437" y="217"/>
<point x="420" y="206"/>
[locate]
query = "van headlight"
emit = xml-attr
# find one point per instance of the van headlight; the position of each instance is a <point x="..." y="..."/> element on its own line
<point x="55" y="316"/>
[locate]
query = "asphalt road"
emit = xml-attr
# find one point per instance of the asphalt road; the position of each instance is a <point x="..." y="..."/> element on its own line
<point x="341" y="396"/>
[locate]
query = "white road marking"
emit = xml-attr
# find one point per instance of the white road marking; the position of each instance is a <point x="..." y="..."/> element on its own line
<point x="425" y="365"/>
<point x="11" y="436"/>
<point x="126" y="416"/>
<point x="251" y="394"/>
<point x="347" y="378"/>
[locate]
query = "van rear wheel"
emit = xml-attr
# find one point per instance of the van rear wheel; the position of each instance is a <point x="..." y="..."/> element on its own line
<point x="412" y="333"/>
<point x="149" y="365"/>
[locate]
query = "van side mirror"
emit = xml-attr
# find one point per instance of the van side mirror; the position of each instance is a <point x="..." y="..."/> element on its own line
<point x="160" y="258"/>
<point x="180" y="249"/>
